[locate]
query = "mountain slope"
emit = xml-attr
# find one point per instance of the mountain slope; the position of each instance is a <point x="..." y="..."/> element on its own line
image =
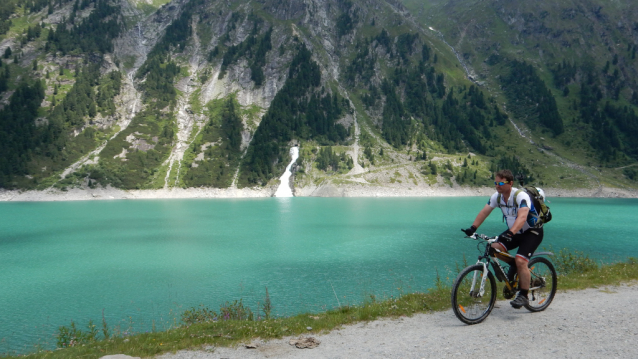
<point x="584" y="53"/>
<point x="214" y="94"/>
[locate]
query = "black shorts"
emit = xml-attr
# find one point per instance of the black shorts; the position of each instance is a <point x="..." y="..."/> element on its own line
<point x="526" y="242"/>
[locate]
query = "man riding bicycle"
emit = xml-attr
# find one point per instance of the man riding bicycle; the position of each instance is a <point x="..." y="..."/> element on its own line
<point x="522" y="233"/>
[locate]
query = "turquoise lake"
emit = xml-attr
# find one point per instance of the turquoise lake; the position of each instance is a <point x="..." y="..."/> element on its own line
<point x="144" y="262"/>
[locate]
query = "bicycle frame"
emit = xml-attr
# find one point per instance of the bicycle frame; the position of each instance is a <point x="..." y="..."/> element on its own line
<point x="488" y="258"/>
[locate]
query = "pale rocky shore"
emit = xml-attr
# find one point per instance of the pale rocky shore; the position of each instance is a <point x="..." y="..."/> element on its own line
<point x="326" y="190"/>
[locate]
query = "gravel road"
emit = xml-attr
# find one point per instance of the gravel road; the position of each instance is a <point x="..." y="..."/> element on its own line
<point x="593" y="323"/>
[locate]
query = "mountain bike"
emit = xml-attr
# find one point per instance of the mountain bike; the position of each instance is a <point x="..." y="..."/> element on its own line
<point x="474" y="290"/>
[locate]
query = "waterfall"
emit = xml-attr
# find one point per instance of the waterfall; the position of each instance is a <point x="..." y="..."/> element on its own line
<point x="284" y="189"/>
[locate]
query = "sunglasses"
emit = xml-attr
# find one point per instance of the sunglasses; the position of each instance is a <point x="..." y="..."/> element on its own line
<point x="500" y="183"/>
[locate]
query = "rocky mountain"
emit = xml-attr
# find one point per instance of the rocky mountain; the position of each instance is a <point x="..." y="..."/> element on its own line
<point x="583" y="52"/>
<point x="376" y="93"/>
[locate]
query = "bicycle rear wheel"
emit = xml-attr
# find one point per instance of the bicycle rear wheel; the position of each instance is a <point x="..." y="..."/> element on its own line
<point x="542" y="284"/>
<point x="468" y="304"/>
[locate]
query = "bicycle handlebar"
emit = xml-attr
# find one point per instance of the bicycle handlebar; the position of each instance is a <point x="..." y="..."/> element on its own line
<point x="483" y="237"/>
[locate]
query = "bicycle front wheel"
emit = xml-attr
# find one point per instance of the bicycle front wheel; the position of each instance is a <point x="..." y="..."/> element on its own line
<point x="469" y="304"/>
<point x="542" y="284"/>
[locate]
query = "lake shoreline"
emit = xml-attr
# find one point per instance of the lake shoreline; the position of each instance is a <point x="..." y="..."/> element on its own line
<point x="324" y="190"/>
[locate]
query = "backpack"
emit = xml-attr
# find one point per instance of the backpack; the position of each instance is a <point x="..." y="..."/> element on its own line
<point x="537" y="196"/>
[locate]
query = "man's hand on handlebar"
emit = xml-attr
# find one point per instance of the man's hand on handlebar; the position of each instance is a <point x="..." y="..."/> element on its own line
<point x="506" y="236"/>
<point x="470" y="231"/>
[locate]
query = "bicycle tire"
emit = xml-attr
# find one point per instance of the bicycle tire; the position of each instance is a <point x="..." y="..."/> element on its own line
<point x="543" y="278"/>
<point x="468" y="307"/>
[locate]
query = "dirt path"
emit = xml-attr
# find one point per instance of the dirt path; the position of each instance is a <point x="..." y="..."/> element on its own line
<point x="593" y="323"/>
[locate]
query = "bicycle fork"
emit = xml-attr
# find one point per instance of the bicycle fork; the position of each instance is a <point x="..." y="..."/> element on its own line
<point x="481" y="290"/>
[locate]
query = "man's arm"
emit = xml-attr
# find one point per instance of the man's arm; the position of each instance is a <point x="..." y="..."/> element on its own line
<point x="480" y="218"/>
<point x="521" y="217"/>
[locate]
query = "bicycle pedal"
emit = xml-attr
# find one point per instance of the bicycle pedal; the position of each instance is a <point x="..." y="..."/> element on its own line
<point x="508" y="294"/>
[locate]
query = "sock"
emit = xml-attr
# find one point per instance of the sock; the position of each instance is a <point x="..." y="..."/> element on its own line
<point x="523" y="292"/>
<point x="511" y="272"/>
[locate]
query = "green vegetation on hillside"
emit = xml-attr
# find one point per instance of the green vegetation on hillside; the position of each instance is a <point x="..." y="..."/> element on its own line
<point x="327" y="159"/>
<point x="159" y="70"/>
<point x="414" y="100"/>
<point x="131" y="159"/>
<point x="35" y="148"/>
<point x="215" y="153"/>
<point x="51" y="139"/>
<point x="567" y="71"/>
<point x="19" y="135"/>
<point x="300" y="110"/>
<point x="348" y="18"/>
<point x="530" y="98"/>
<point x="93" y="34"/>
<point x="7" y="8"/>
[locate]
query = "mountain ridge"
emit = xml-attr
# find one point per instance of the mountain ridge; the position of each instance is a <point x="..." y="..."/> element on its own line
<point x="198" y="79"/>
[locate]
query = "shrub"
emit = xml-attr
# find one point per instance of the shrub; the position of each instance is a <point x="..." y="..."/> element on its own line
<point x="570" y="261"/>
<point x="235" y="311"/>
<point x="72" y="336"/>
<point x="198" y="315"/>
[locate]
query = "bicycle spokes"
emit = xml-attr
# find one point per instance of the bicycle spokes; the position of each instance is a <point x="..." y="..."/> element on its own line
<point x="542" y="284"/>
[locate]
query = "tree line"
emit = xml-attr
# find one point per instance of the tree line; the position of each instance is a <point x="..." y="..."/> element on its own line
<point x="93" y="34"/>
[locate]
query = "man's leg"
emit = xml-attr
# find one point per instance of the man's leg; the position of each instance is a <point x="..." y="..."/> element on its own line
<point x="501" y="247"/>
<point x="523" y="272"/>
<point x="529" y="241"/>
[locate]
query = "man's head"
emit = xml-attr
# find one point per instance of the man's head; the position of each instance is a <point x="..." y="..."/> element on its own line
<point x="506" y="178"/>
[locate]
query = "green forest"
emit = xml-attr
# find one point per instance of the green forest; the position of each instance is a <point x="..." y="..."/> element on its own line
<point x="415" y="100"/>
<point x="216" y="152"/>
